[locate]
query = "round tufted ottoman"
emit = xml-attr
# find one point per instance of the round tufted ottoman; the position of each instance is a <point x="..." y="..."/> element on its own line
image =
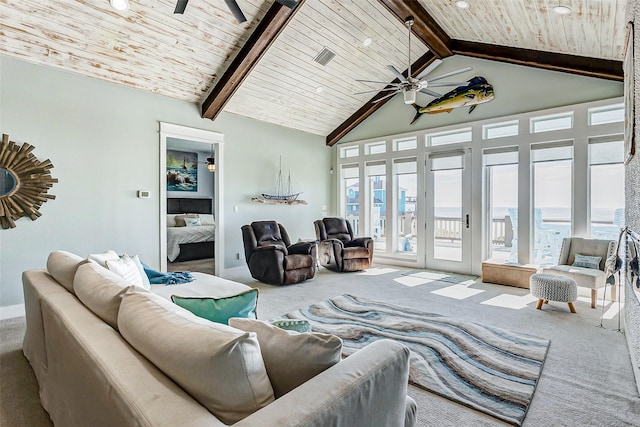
<point x="551" y="287"/>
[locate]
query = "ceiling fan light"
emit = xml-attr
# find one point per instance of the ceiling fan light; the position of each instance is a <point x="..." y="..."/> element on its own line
<point x="119" y="5"/>
<point x="409" y="96"/>
<point x="562" y="10"/>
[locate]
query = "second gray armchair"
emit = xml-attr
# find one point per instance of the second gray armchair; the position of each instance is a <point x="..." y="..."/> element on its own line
<point x="339" y="249"/>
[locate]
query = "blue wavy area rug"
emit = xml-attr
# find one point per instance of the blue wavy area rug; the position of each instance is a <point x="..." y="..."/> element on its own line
<point x="483" y="367"/>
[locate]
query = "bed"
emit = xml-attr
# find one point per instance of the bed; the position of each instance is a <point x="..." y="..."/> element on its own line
<point x="185" y="243"/>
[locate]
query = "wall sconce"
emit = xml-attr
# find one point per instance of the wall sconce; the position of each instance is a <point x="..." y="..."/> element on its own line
<point x="211" y="162"/>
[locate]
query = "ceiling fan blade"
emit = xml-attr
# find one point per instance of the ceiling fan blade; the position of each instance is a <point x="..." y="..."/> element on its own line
<point x="386" y="96"/>
<point x="375" y="90"/>
<point x="441" y="84"/>
<point x="291" y="4"/>
<point x="430" y="92"/>
<point x="397" y="73"/>
<point x="449" y="74"/>
<point x="235" y="9"/>
<point x="429" y="68"/>
<point x="181" y="5"/>
<point x="375" y="81"/>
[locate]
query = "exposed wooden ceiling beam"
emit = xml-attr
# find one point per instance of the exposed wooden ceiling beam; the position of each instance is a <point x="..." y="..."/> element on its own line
<point x="424" y="26"/>
<point x="267" y="31"/>
<point x="369" y="108"/>
<point x="581" y="65"/>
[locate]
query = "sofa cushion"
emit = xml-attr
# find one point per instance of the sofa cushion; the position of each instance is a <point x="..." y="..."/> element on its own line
<point x="62" y="266"/>
<point x="291" y="358"/>
<point x="129" y="271"/>
<point x="221" y="367"/>
<point x="101" y="258"/>
<point x="584" y="277"/>
<point x="221" y="309"/>
<point x="587" y="261"/>
<point x="100" y="290"/>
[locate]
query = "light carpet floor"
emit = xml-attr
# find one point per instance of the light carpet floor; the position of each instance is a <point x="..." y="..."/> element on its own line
<point x="587" y="379"/>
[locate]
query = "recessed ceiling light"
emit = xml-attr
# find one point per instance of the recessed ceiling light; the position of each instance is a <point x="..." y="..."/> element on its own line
<point x="319" y="89"/>
<point x="562" y="10"/>
<point x="367" y="42"/>
<point x="462" y="4"/>
<point x="119" y="5"/>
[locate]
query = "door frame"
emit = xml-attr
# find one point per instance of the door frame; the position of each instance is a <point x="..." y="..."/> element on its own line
<point x="465" y="265"/>
<point x="169" y="130"/>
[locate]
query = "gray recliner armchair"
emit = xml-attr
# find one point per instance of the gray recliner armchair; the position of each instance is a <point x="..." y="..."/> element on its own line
<point x="272" y="258"/>
<point x="339" y="249"/>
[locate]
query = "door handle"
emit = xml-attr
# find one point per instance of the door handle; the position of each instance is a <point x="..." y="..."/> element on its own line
<point x="467" y="221"/>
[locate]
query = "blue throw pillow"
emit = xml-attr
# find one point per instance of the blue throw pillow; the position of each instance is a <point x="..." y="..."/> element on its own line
<point x="220" y="310"/>
<point x="298" y="325"/>
<point x="587" y="261"/>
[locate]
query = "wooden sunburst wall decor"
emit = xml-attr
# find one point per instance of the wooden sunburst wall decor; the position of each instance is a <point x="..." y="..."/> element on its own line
<point x="24" y="182"/>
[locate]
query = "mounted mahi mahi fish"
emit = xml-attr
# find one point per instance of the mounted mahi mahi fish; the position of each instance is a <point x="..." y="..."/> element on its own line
<point x="477" y="91"/>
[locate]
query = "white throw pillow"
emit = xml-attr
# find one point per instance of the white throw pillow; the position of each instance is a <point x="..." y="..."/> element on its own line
<point x="207" y="219"/>
<point x="192" y="222"/>
<point x="291" y="358"/>
<point x="171" y="220"/>
<point x="180" y="219"/>
<point x="145" y="279"/>
<point x="100" y="290"/>
<point x="102" y="258"/>
<point x="221" y="367"/>
<point x="126" y="268"/>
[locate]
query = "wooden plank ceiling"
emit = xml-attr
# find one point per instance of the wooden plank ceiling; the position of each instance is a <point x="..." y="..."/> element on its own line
<point x="184" y="56"/>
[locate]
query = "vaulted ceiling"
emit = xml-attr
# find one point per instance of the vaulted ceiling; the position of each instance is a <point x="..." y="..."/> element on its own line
<point x="265" y="68"/>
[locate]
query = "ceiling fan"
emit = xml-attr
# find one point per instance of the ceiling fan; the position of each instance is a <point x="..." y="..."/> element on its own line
<point x="181" y="5"/>
<point x="410" y="86"/>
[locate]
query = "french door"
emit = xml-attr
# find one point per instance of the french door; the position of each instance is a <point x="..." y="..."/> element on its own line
<point x="448" y="211"/>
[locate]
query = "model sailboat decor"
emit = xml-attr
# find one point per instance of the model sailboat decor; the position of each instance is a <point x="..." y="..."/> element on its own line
<point x="283" y="194"/>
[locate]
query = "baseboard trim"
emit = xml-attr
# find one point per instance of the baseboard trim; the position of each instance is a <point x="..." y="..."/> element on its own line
<point x="11" y="311"/>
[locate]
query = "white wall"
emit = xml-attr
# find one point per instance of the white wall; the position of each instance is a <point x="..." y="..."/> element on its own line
<point x="103" y="140"/>
<point x="518" y="89"/>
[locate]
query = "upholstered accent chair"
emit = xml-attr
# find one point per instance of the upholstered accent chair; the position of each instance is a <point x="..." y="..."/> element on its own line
<point x="579" y="260"/>
<point x="272" y="258"/>
<point x="338" y="249"/>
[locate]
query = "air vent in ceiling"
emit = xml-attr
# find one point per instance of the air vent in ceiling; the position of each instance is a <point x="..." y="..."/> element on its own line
<point x="324" y="56"/>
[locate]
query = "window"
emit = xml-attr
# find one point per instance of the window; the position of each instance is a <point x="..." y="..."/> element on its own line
<point x="377" y="203"/>
<point x="405" y="144"/>
<point x="551" y="123"/>
<point x="451" y="137"/>
<point x="551" y="214"/>
<point x="375" y="148"/>
<point x="607" y="114"/>
<point x="606" y="189"/>
<point x="501" y="189"/>
<point x="500" y="130"/>
<point x="351" y="195"/>
<point x="406" y="180"/>
<point x="349" y="152"/>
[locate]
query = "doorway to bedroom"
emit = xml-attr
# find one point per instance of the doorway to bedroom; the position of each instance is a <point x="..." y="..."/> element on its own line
<point x="190" y="199"/>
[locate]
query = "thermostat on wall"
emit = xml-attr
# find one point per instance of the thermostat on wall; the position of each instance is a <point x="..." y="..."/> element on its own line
<point x="143" y="194"/>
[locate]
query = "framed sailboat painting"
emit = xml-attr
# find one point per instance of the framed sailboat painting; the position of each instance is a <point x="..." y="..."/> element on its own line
<point x="182" y="171"/>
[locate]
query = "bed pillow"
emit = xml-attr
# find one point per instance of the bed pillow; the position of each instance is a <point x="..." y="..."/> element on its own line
<point x="192" y="222"/>
<point x="180" y="219"/>
<point x="207" y="219"/>
<point x="291" y="358"/>
<point x="587" y="261"/>
<point x="102" y="258"/>
<point x="220" y="310"/>
<point x="221" y="367"/>
<point x="171" y="221"/>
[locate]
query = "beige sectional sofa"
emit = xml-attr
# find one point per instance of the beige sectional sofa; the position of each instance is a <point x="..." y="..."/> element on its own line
<point x="109" y="354"/>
